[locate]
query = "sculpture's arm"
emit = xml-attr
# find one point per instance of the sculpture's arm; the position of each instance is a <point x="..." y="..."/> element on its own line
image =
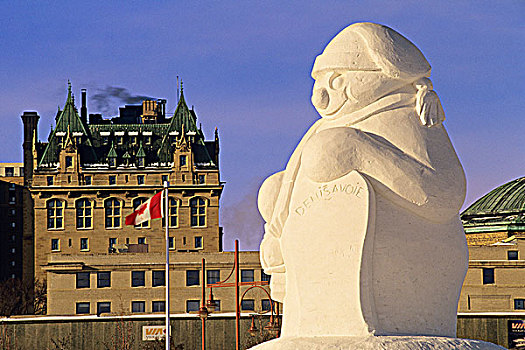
<point x="270" y="251"/>
<point x="435" y="193"/>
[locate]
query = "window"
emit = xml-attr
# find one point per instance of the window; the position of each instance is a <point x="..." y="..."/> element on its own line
<point x="192" y="278"/>
<point x="12" y="199"/>
<point x="158" y="306"/>
<point x="198" y="242"/>
<point x="265" y="305"/>
<point x="84" y="214"/>
<point x="140" y="179"/>
<point x="182" y="160"/>
<point x="192" y="305"/>
<point x="120" y="140"/>
<point x="103" y="307"/>
<point x="13" y="224"/>
<point x="136" y="203"/>
<point x="112" y="164"/>
<point x="112" y="212"/>
<point x="141" y="240"/>
<point x="133" y="140"/>
<point x="55" y="214"/>
<point x="84" y="244"/>
<point x="247" y="276"/>
<point x="140" y="162"/>
<point x="87" y="180"/>
<point x="148" y="140"/>
<point x="202" y="179"/>
<point x="171" y="243"/>
<point x="265" y="277"/>
<point x="103" y="279"/>
<point x="173" y="205"/>
<point x="213" y="276"/>
<point x="112" y="179"/>
<point x="21" y="171"/>
<point x="138" y="306"/>
<point x="158" y="278"/>
<point x="9" y="171"/>
<point x="488" y="276"/>
<point x="83" y="308"/>
<point x="112" y="242"/>
<point x="519" y="304"/>
<point x="79" y="140"/>
<point x="137" y="279"/>
<point x="198" y="211"/>
<point x="69" y="161"/>
<point x="50" y="180"/>
<point x="248" y="304"/>
<point x="83" y="279"/>
<point x="55" y="246"/>
<point x="165" y="178"/>
<point x="105" y="140"/>
<point x="12" y="211"/>
<point x="512" y="255"/>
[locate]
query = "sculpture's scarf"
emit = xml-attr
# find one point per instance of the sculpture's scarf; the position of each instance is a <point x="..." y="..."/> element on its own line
<point x="281" y="209"/>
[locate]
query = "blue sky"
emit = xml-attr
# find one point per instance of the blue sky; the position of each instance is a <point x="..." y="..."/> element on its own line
<point x="246" y="69"/>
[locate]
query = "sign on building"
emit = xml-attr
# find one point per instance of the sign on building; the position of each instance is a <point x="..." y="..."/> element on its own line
<point x="153" y="332"/>
<point x="516" y="330"/>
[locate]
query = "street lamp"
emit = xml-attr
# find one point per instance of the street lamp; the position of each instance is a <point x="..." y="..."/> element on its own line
<point x="211" y="305"/>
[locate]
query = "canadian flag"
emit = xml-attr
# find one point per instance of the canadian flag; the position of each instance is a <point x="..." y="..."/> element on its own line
<point x="149" y="210"/>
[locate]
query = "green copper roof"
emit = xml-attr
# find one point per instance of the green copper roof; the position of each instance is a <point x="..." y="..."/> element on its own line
<point x="69" y="124"/>
<point x="507" y="198"/>
<point x="184" y="120"/>
<point x="126" y="141"/>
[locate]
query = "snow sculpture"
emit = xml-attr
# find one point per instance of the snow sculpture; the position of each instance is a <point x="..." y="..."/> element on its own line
<point x="362" y="236"/>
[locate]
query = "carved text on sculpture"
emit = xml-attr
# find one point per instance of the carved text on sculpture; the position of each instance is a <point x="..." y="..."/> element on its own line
<point x="326" y="192"/>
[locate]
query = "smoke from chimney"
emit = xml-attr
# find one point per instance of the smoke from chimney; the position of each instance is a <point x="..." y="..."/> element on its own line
<point x="109" y="99"/>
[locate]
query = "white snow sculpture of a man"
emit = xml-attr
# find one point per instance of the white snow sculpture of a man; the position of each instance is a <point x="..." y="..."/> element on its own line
<point x="362" y="233"/>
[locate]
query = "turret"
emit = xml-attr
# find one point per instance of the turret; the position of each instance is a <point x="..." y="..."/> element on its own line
<point x="30" y="120"/>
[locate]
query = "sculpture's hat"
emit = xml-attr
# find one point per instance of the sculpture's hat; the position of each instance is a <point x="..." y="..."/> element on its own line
<point x="373" y="47"/>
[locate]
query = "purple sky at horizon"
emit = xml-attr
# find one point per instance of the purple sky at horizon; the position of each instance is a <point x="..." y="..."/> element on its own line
<point x="246" y="69"/>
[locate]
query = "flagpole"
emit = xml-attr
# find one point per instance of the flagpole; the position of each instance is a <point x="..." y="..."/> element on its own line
<point x="167" y="278"/>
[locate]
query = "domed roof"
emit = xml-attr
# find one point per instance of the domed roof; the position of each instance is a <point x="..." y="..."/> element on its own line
<point x="507" y="198"/>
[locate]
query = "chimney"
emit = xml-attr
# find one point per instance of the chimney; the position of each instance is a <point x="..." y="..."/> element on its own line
<point x="30" y="120"/>
<point x="83" y="109"/>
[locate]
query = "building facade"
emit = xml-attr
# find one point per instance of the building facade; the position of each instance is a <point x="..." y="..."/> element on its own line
<point x="495" y="230"/>
<point x="89" y="175"/>
<point x="11" y="219"/>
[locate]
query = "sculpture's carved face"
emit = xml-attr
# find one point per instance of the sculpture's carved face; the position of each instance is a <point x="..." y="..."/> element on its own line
<point x="329" y="93"/>
<point x="336" y="93"/>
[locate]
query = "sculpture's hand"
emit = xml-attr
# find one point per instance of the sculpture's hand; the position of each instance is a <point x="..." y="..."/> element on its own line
<point x="273" y="264"/>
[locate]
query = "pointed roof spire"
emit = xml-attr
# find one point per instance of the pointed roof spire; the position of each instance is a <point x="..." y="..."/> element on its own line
<point x="140" y="152"/>
<point x="112" y="153"/>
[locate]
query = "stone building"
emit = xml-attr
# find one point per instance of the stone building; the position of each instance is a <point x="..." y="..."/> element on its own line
<point x="495" y="230"/>
<point x="91" y="173"/>
<point x="11" y="219"/>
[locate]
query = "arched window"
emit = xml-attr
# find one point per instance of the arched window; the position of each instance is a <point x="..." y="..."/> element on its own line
<point x="136" y="203"/>
<point x="198" y="211"/>
<point x="113" y="212"/>
<point x="173" y="212"/>
<point x="84" y="213"/>
<point x="55" y="214"/>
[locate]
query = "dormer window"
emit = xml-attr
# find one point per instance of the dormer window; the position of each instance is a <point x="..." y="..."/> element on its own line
<point x="120" y="140"/>
<point x="140" y="162"/>
<point x="79" y="140"/>
<point x="69" y="161"/>
<point x="105" y="140"/>
<point x="112" y="162"/>
<point x="133" y="140"/>
<point x="148" y="140"/>
<point x="182" y="160"/>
